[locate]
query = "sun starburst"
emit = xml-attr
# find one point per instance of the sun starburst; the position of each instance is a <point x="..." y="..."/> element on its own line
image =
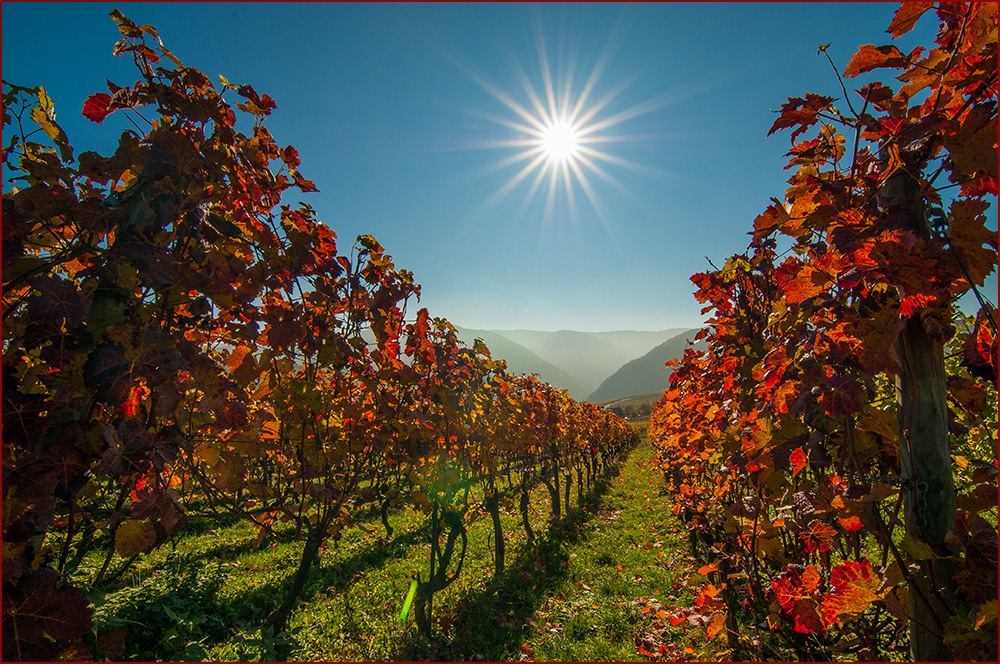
<point x="561" y="139"/>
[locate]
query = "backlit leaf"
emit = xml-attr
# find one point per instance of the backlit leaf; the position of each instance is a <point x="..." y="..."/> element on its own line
<point x="871" y="57"/>
<point x="918" y="550"/>
<point x="798" y="460"/>
<point x="818" y="536"/>
<point x="96" y="108"/>
<point x="717" y="625"/>
<point x="45" y="119"/>
<point x="855" y="587"/>
<point x="907" y="16"/>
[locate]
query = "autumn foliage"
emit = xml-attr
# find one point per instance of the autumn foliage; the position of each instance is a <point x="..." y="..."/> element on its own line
<point x="787" y="444"/>
<point x="174" y="334"/>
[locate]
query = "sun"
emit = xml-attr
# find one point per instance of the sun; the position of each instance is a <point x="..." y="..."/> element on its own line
<point x="563" y="133"/>
<point x="560" y="141"/>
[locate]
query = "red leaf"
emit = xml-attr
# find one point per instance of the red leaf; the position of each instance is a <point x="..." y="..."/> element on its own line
<point x="798" y="460"/>
<point x="800" y="111"/>
<point x="290" y="156"/>
<point x="788" y="590"/>
<point x="912" y="304"/>
<point x="96" y="108"/>
<point x="806" y="618"/>
<point x="302" y="183"/>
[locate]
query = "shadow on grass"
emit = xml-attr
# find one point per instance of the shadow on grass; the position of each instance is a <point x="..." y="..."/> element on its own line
<point x="492" y="625"/>
<point x="254" y="604"/>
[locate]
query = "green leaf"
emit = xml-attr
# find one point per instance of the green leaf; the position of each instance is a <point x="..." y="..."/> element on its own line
<point x="918" y="550"/>
<point x="44" y="116"/>
<point x="225" y="226"/>
<point x="22" y="267"/>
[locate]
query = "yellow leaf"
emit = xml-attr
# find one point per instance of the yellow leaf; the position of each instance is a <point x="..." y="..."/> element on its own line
<point x="918" y="550"/>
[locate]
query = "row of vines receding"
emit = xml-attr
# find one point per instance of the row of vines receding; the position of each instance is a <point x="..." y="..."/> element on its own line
<point x="174" y="338"/>
<point x="833" y="451"/>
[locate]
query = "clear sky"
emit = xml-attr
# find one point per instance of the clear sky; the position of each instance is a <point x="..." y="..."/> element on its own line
<point x="415" y="121"/>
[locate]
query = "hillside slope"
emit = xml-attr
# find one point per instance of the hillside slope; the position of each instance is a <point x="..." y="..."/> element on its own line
<point x="520" y="360"/>
<point x="589" y="356"/>
<point x="645" y="374"/>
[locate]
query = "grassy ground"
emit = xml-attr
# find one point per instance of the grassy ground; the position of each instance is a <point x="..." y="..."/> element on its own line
<point x="592" y="587"/>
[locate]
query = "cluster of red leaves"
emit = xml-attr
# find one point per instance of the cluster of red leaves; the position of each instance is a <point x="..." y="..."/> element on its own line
<point x="779" y="442"/>
<point x="168" y="334"/>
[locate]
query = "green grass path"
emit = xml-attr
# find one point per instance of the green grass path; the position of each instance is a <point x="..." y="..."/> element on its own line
<point x="596" y="586"/>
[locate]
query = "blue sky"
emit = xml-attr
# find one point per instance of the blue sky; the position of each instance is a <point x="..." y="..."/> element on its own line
<point x="406" y="118"/>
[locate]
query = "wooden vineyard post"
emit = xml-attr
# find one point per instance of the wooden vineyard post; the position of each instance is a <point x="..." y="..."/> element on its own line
<point x="927" y="482"/>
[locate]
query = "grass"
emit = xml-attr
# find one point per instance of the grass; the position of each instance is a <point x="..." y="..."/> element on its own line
<point x="588" y="589"/>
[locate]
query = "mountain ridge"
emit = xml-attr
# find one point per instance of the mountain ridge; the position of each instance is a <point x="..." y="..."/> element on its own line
<point x="571" y="359"/>
<point x="646" y="374"/>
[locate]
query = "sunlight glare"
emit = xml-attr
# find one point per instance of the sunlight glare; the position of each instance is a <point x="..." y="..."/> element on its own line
<point x="560" y="141"/>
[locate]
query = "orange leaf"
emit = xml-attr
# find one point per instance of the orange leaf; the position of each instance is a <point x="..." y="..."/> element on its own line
<point x="707" y="569"/>
<point x="235" y="358"/>
<point x="818" y="535"/>
<point x="800" y="111"/>
<point x="855" y="588"/>
<point x="850" y="523"/>
<point x="907" y="16"/>
<point x="810" y="578"/>
<point x="714" y="627"/>
<point x="871" y="57"/>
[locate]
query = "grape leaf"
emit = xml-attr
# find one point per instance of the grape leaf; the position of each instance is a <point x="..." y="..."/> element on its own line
<point x="96" y="108"/>
<point x="798" y="459"/>
<point x="871" y="57"/>
<point x="800" y="111"/>
<point x="907" y="16"/>
<point x="134" y="537"/>
<point x="38" y="616"/>
<point x="805" y="618"/>
<point x="717" y="625"/>
<point x="818" y="536"/>
<point x="855" y="587"/>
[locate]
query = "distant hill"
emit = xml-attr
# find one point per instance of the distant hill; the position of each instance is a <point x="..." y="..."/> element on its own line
<point x="576" y="361"/>
<point x="646" y="374"/>
<point x="589" y="356"/>
<point x="520" y="360"/>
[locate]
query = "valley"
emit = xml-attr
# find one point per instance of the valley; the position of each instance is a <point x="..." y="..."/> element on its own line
<point x="594" y="366"/>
